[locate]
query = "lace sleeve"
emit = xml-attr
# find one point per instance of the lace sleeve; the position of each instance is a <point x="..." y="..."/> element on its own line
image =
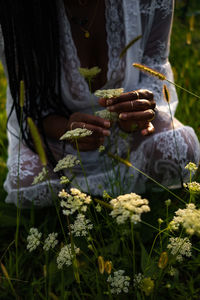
<point x="156" y="51"/>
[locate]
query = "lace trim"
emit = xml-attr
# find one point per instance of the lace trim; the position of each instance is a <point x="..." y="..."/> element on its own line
<point x="165" y="7"/>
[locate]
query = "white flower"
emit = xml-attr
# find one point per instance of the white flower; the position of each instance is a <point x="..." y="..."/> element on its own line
<point x="50" y="241"/>
<point x="76" y="201"/>
<point x="172" y="271"/>
<point x="137" y="280"/>
<point x="76" y="134"/>
<point x="81" y="226"/>
<point x="66" y="256"/>
<point x="42" y="176"/>
<point x="101" y="148"/>
<point x="193" y="187"/>
<point x="109" y="93"/>
<point x="89" y="74"/>
<point x="129" y="206"/>
<point x="98" y="207"/>
<point x="179" y="247"/>
<point x="189" y="218"/>
<point x="192" y="167"/>
<point x="105" y="114"/>
<point x="33" y="239"/>
<point x="63" y="194"/>
<point x="69" y="161"/>
<point x="64" y="180"/>
<point x="119" y="283"/>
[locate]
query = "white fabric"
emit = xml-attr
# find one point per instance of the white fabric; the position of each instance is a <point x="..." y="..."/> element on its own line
<point x="156" y="155"/>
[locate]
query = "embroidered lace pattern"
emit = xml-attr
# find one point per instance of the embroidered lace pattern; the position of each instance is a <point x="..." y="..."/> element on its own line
<point x="165" y="6"/>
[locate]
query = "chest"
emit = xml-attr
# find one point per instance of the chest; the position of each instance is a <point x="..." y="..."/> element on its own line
<point x="92" y="50"/>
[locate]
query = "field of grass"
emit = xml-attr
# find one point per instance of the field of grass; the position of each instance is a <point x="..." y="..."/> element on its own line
<point x="25" y="275"/>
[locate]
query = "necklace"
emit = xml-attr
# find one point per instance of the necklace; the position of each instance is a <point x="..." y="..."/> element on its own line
<point x="82" y="22"/>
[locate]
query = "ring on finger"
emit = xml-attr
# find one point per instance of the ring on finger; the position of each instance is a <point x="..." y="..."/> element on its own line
<point x="137" y="95"/>
<point x="71" y="125"/>
<point x="132" y="105"/>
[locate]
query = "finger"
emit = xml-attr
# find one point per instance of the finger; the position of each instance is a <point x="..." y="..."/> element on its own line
<point x="149" y="130"/>
<point x="96" y="130"/>
<point x="137" y="105"/>
<point x="133" y="95"/>
<point x="90" y="119"/>
<point x="146" y="115"/>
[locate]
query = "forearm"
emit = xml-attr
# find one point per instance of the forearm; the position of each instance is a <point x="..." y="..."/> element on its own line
<point x="55" y="126"/>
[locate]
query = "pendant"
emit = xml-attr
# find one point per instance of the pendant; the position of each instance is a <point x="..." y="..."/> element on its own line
<point x="87" y="34"/>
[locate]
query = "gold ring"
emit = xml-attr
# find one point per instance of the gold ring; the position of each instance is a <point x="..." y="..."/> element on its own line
<point x="132" y="107"/>
<point x="137" y="95"/>
<point x="71" y="125"/>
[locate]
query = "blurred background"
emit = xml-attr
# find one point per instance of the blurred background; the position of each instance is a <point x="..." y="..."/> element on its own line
<point x="185" y="60"/>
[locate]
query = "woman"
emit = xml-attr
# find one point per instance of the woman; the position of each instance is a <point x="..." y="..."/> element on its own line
<point x="45" y="43"/>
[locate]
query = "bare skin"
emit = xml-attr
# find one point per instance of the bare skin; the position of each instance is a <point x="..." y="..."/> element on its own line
<point x="93" y="52"/>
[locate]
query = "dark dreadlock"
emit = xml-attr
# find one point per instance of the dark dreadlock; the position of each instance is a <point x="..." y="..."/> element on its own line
<point x="32" y="49"/>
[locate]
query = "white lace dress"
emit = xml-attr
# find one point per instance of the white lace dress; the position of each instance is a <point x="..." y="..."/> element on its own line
<point x="156" y="155"/>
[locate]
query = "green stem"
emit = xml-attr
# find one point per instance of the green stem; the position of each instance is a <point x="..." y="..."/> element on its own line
<point x="133" y="244"/>
<point x="180" y="87"/>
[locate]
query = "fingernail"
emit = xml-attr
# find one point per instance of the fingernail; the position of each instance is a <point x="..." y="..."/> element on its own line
<point x="122" y="116"/>
<point x="106" y="132"/>
<point x="108" y="102"/>
<point x="107" y="124"/>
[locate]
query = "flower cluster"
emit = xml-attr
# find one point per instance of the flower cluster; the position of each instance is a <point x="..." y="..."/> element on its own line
<point x="89" y="74"/>
<point x="192" y="167"/>
<point x="67" y="162"/>
<point x="109" y="93"/>
<point x="76" y="201"/>
<point x="145" y="284"/>
<point x="119" y="283"/>
<point x="76" y="134"/>
<point x="137" y="280"/>
<point x="193" y="187"/>
<point x="105" y="114"/>
<point x="129" y="206"/>
<point x="50" y="241"/>
<point x="42" y="176"/>
<point x="66" y="256"/>
<point x="179" y="247"/>
<point x="33" y="239"/>
<point x="81" y="226"/>
<point x="189" y="218"/>
<point x="64" y="180"/>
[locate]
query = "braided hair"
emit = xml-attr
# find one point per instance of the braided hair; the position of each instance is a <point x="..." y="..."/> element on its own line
<point x="32" y="51"/>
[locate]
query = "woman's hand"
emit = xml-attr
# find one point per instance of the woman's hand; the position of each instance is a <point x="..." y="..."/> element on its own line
<point x="97" y="125"/>
<point x="134" y="108"/>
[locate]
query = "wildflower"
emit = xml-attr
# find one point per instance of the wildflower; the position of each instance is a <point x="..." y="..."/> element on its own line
<point x="193" y="187"/>
<point x="160" y="221"/>
<point x="66" y="256"/>
<point x="89" y="74"/>
<point x="105" y="195"/>
<point x="42" y="176"/>
<point x="189" y="218"/>
<point x="149" y="71"/>
<point x="172" y="271"/>
<point x="162" y="263"/>
<point x="105" y="114"/>
<point x="168" y="202"/>
<point x="63" y="194"/>
<point x="81" y="226"/>
<point x="179" y="247"/>
<point x="128" y="206"/>
<point x="109" y="93"/>
<point x="67" y="162"/>
<point x="33" y="239"/>
<point x="119" y="283"/>
<point x="137" y="280"/>
<point x="101" y="264"/>
<point x="75" y="201"/>
<point x="98" y="207"/>
<point x="64" y="180"/>
<point x="147" y="285"/>
<point x="76" y="134"/>
<point x="50" y="241"/>
<point x="108" y="267"/>
<point x="192" y="167"/>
